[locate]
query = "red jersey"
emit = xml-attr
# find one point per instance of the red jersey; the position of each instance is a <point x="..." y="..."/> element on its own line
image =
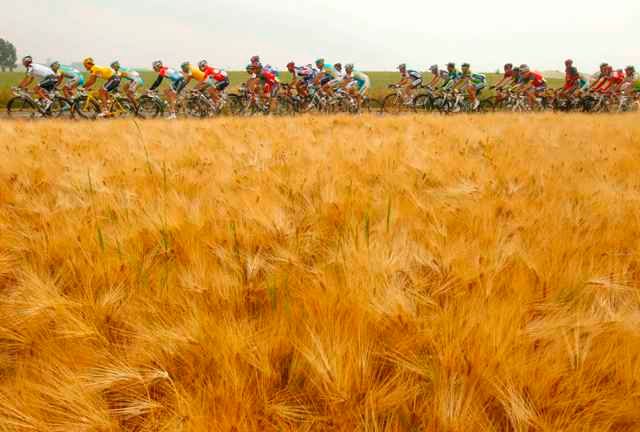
<point x="536" y="79"/>
<point x="571" y="77"/>
<point x="617" y="77"/>
<point x="268" y="77"/>
<point x="216" y="74"/>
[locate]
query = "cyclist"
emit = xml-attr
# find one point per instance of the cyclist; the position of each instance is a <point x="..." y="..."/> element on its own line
<point x="47" y="77"/>
<point x="410" y="80"/>
<point x="73" y="76"/>
<point x="192" y="73"/>
<point x="573" y="81"/>
<point x="506" y="79"/>
<point x="440" y="77"/>
<point x="264" y="81"/>
<point x="609" y="81"/>
<point x="255" y="61"/>
<point x="301" y="77"/>
<point x="630" y="77"/>
<point x="216" y="80"/>
<point x="112" y="81"/>
<point x="599" y="78"/>
<point x="356" y="83"/>
<point x="533" y="83"/>
<point x="132" y="78"/>
<point x="325" y="76"/>
<point x="177" y="84"/>
<point x="337" y="74"/>
<point x="474" y="83"/>
<point x="453" y="76"/>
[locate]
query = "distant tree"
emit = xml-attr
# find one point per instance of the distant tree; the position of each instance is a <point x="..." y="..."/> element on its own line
<point x="8" y="56"/>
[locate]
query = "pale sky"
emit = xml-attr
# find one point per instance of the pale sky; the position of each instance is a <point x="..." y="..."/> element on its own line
<point x="374" y="35"/>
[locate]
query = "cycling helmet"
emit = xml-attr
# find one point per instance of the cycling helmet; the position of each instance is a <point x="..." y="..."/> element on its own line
<point x="568" y="62"/>
<point x="348" y="66"/>
<point x="291" y="65"/>
<point x="508" y="66"/>
<point x="338" y="65"/>
<point x="320" y="61"/>
<point x="604" y="65"/>
<point x="255" y="59"/>
<point x="434" y="68"/>
<point x="249" y="68"/>
<point x="202" y="64"/>
<point x="466" y="65"/>
<point x="451" y="65"/>
<point x="115" y="65"/>
<point x="630" y="68"/>
<point x="524" y="68"/>
<point x="156" y="64"/>
<point x="402" y="66"/>
<point x="55" y="66"/>
<point x="185" y="66"/>
<point x="88" y="62"/>
<point x="516" y="70"/>
<point x="27" y="60"/>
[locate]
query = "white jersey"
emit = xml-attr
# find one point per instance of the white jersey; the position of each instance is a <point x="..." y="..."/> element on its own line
<point x="338" y="74"/>
<point x="39" y="71"/>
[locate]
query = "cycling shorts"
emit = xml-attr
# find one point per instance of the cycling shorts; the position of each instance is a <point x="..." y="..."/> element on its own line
<point x="112" y="84"/>
<point x="48" y="83"/>
<point x="540" y="89"/>
<point x="271" y="89"/>
<point x="178" y="85"/>
<point x="134" y="84"/>
<point x="220" y="85"/>
<point x="325" y="80"/>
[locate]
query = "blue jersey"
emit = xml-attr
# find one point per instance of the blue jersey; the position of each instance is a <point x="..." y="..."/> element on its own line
<point x="130" y="74"/>
<point x="71" y="73"/>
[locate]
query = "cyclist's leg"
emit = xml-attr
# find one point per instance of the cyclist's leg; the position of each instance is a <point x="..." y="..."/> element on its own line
<point x="46" y="85"/>
<point x="131" y="90"/>
<point x="109" y="87"/>
<point x="172" y="93"/>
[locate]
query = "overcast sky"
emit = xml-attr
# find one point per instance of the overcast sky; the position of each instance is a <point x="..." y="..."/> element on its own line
<point x="374" y="35"/>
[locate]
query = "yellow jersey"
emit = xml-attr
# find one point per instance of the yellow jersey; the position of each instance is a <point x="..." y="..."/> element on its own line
<point x="196" y="74"/>
<point x="102" y="71"/>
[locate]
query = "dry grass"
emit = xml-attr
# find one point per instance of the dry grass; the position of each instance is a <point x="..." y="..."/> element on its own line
<point x="371" y="274"/>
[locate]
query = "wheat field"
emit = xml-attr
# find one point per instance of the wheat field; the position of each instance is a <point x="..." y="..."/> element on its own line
<point x="321" y="274"/>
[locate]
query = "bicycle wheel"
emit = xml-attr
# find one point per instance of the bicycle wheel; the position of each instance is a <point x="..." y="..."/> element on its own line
<point x="392" y="104"/>
<point x="423" y="103"/>
<point x="122" y="107"/>
<point x="283" y="106"/>
<point x="194" y="107"/>
<point x="149" y="107"/>
<point x="60" y="107"/>
<point x="86" y="108"/>
<point x="235" y="104"/>
<point x="22" y="108"/>
<point x="486" y="105"/>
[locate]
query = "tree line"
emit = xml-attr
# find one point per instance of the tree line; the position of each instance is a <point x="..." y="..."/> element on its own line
<point x="8" y="56"/>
